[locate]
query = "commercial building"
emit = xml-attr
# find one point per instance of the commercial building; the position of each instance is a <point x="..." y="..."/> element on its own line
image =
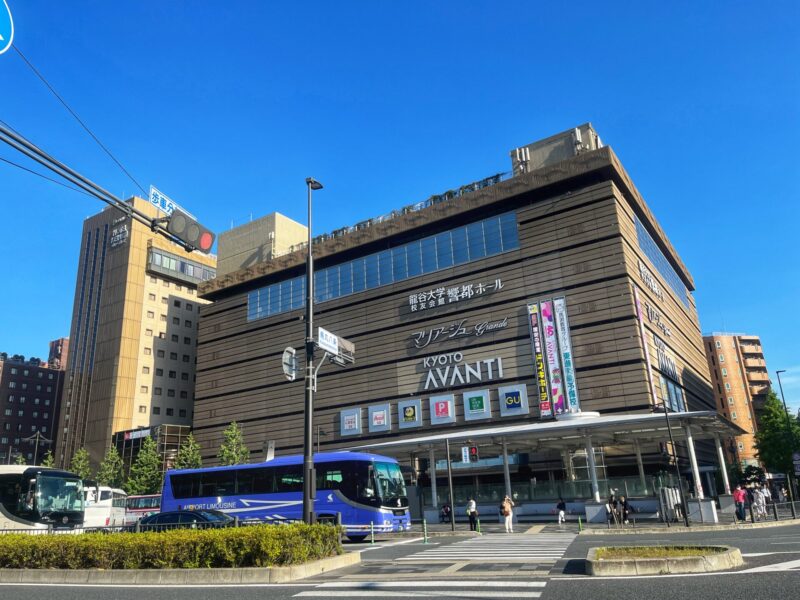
<point x="741" y="385"/>
<point x="168" y="439"/>
<point x="29" y="400"/>
<point x="133" y="334"/>
<point x="478" y="316"/>
<point x="59" y="351"/>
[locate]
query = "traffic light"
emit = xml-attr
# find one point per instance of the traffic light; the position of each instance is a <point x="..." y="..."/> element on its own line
<point x="473" y="454"/>
<point x="189" y="231"/>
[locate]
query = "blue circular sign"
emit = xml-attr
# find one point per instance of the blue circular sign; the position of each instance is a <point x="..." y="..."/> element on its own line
<point x="6" y="27"/>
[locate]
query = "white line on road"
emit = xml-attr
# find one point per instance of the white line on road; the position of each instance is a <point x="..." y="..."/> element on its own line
<point x="500" y="595"/>
<point x="784" y="566"/>
<point x="450" y="584"/>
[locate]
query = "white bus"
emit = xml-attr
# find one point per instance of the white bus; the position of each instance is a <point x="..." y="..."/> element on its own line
<point x="104" y="506"/>
<point x="39" y="498"/>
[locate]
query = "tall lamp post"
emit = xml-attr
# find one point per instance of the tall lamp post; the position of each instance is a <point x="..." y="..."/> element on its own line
<point x="309" y="477"/>
<point x="684" y="506"/>
<point x="789" y="434"/>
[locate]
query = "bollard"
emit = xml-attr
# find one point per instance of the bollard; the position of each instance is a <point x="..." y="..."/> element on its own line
<point x="775" y="510"/>
<point x="478" y="525"/>
<point x="752" y="516"/>
<point x="580" y="524"/>
<point x="371" y="532"/>
<point x="424" y="531"/>
<point x="794" y="514"/>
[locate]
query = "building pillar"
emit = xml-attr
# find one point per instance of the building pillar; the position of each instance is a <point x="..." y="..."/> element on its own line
<point x="432" y="469"/>
<point x="640" y="464"/>
<point x="569" y="470"/>
<point x="698" y="485"/>
<point x="722" y="466"/>
<point x="506" y="473"/>
<point x="592" y="468"/>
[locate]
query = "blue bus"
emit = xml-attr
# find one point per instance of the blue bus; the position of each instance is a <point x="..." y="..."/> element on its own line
<point x="366" y="489"/>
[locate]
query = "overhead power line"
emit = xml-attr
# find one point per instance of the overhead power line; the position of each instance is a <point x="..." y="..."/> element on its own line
<point x="31" y="171"/>
<point x="77" y="118"/>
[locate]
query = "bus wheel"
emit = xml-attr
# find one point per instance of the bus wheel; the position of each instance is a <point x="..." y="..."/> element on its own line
<point x="356" y="538"/>
<point x="326" y="519"/>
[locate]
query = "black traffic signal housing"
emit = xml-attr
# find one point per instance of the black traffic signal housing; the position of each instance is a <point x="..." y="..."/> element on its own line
<point x="473" y="454"/>
<point x="189" y="231"/>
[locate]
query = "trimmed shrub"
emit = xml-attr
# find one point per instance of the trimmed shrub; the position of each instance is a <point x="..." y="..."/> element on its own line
<point x="254" y="546"/>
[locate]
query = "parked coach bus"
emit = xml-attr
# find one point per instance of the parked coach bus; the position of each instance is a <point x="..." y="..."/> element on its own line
<point x="104" y="506"/>
<point x="141" y="506"/>
<point x="363" y="488"/>
<point x="39" y="498"/>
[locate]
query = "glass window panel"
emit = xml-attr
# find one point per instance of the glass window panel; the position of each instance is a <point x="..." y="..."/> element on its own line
<point x="333" y="282"/>
<point x="399" y="265"/>
<point x="460" y="250"/>
<point x="346" y="279"/>
<point x="475" y="241"/>
<point x="320" y="285"/>
<point x="508" y="231"/>
<point x="428" y="250"/>
<point x="286" y="295"/>
<point x="385" y="267"/>
<point x="359" y="274"/>
<point x="157" y="258"/>
<point x="414" y="259"/>
<point x="444" y="250"/>
<point x="274" y="299"/>
<point x="491" y="235"/>
<point x="371" y="271"/>
<point x="298" y="292"/>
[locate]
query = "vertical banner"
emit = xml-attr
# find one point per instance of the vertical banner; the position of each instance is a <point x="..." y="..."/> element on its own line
<point x="645" y="345"/>
<point x="545" y="409"/>
<point x="551" y="353"/>
<point x="564" y="342"/>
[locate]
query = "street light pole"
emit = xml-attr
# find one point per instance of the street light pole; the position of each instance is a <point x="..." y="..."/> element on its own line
<point x="309" y="482"/>
<point x="789" y="433"/>
<point x="684" y="507"/>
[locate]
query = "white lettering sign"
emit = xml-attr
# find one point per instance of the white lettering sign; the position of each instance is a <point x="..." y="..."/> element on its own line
<point x="328" y="341"/>
<point x="654" y="316"/>
<point x="666" y="363"/>
<point x="456" y="330"/>
<point x="119" y="235"/>
<point x="650" y="281"/>
<point x="446" y="370"/>
<point x="448" y="295"/>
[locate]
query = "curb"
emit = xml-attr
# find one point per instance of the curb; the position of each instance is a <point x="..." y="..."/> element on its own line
<point x="181" y="576"/>
<point x="610" y="567"/>
<point x="681" y="529"/>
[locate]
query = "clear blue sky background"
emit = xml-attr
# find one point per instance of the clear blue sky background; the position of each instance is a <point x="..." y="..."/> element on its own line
<point x="228" y="106"/>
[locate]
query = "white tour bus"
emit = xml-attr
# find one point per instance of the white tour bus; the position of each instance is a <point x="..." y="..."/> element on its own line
<point x="39" y="498"/>
<point x="104" y="506"/>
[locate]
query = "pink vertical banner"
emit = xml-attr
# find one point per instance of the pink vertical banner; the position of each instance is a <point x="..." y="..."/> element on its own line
<point x="555" y="374"/>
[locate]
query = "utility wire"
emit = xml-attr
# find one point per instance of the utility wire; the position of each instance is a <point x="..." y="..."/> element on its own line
<point x="69" y="187"/>
<point x="77" y="118"/>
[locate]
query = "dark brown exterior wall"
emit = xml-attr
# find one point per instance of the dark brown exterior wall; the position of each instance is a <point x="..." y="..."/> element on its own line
<point x="577" y="239"/>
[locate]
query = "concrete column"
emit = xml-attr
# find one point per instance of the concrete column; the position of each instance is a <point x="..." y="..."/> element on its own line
<point x="698" y="485"/>
<point x="639" y="463"/>
<point x="568" y="468"/>
<point x="432" y="469"/>
<point x="506" y="473"/>
<point x="592" y="468"/>
<point x="722" y="466"/>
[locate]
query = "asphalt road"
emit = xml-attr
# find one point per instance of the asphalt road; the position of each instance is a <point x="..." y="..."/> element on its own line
<point x="772" y="570"/>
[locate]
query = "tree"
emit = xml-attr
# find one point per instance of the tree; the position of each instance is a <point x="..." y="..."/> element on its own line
<point x="146" y="473"/>
<point x="777" y="437"/>
<point x="189" y="454"/>
<point x="80" y="464"/>
<point x="48" y="460"/>
<point x="233" y="451"/>
<point x="20" y="460"/>
<point x="111" y="471"/>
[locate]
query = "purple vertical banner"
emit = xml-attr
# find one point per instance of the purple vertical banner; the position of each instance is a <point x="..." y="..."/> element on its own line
<point x="545" y="408"/>
<point x="556" y="377"/>
<point x="564" y="341"/>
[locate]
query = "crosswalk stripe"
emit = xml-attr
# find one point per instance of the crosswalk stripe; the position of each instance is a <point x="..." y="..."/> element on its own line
<point x="499" y="548"/>
<point x="500" y="594"/>
<point x="449" y="584"/>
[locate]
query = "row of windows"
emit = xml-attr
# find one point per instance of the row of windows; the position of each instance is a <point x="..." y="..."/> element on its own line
<point x="157" y="411"/>
<point x="171" y="374"/>
<point x="175" y="320"/>
<point x="164" y="300"/>
<point x="21" y="413"/>
<point x="162" y="354"/>
<point x="444" y="250"/>
<point x="162" y="336"/>
<point x="191" y="269"/>
<point x="22" y="399"/>
<point x="159" y="392"/>
<point x="651" y="250"/>
<point x="26" y="372"/>
<point x="7" y="427"/>
<point x="673" y="395"/>
<point x="24" y="386"/>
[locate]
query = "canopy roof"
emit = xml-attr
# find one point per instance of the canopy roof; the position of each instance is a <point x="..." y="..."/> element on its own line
<point x="570" y="432"/>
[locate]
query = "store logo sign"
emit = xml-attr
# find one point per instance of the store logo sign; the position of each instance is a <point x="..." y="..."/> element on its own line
<point x="441" y="409"/>
<point x="513" y="400"/>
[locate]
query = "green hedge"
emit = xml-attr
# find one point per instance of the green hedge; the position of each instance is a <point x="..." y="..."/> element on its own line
<point x="254" y="546"/>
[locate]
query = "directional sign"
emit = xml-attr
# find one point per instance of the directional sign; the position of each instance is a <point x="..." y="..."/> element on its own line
<point x="464" y="454"/>
<point x="6" y="27"/>
<point x="328" y="341"/>
<point x="796" y="457"/>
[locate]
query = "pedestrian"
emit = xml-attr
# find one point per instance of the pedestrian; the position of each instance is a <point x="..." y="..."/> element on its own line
<point x="472" y="513"/>
<point x="611" y="509"/>
<point x="739" y="497"/>
<point x="507" y="510"/>
<point x="625" y="509"/>
<point x="767" y="493"/>
<point x="561" y="507"/>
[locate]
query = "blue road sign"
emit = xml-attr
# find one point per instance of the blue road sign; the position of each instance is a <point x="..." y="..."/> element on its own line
<point x="6" y="27"/>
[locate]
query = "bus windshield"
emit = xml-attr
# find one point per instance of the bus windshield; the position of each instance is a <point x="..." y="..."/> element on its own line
<point x="390" y="484"/>
<point x="57" y="494"/>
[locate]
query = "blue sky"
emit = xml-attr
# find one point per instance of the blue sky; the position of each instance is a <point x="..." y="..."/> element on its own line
<point x="228" y="106"/>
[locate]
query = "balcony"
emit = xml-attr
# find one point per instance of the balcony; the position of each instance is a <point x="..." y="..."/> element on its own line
<point x="755" y="362"/>
<point x="757" y="377"/>
<point x="758" y="390"/>
<point x="751" y="349"/>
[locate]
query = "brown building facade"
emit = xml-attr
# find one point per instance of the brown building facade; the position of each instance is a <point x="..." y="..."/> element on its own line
<point x="59" y="351"/>
<point x="133" y="335"/>
<point x="436" y="299"/>
<point x="741" y="385"/>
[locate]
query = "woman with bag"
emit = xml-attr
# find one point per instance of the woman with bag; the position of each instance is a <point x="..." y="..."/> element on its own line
<point x="472" y="513"/>
<point x="506" y="509"/>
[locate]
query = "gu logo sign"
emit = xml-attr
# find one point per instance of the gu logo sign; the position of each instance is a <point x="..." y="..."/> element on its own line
<point x="6" y="27"/>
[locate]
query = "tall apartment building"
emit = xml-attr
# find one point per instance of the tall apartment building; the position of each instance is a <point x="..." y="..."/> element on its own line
<point x="59" y="351"/>
<point x="133" y="335"/>
<point x="741" y="384"/>
<point x="29" y="400"/>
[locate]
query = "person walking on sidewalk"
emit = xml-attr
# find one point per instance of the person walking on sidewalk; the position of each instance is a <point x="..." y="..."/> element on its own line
<point x="739" y="497"/>
<point x="472" y="513"/>
<point x="561" y="507"/>
<point x="507" y="510"/>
